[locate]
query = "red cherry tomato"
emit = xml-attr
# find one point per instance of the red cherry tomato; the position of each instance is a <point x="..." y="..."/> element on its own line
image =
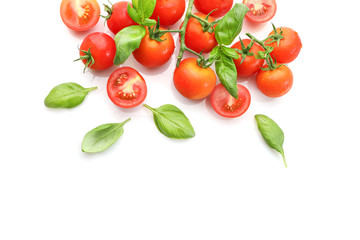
<point x="226" y="105"/>
<point x="221" y="6"/>
<point x="80" y="15"/>
<point x="192" y="81"/>
<point x="169" y="11"/>
<point x="126" y="88"/>
<point x="260" y="11"/>
<point x="152" y="53"/>
<point x="98" y="50"/>
<point x="198" y="40"/>
<point x="289" y="47"/>
<point x="250" y="65"/>
<point x="118" y="18"/>
<point x="275" y="83"/>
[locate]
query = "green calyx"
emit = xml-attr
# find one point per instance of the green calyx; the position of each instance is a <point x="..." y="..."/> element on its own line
<point x="88" y="57"/>
<point x="109" y="11"/>
<point x="275" y="37"/>
<point x="155" y="33"/>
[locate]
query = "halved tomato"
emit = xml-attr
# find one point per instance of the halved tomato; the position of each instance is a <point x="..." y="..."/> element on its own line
<point x="228" y="106"/>
<point x="260" y="10"/>
<point x="126" y="88"/>
<point x="80" y="15"/>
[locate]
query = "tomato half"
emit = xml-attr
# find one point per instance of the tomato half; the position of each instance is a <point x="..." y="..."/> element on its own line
<point x="80" y="15"/>
<point x="169" y="11"/>
<point x="198" y="40"/>
<point x="221" y="6"/>
<point x="260" y="11"/>
<point x="118" y="17"/>
<point x="275" y="83"/>
<point x="226" y="105"/>
<point x="126" y="87"/>
<point x="250" y="65"/>
<point x="288" y="48"/>
<point x="192" y="81"/>
<point x="152" y="53"/>
<point x="98" y="50"/>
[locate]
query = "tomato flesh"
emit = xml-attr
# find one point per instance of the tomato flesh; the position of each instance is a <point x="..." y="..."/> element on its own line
<point x="80" y="15"/>
<point x="126" y="87"/>
<point x="226" y="105"/>
<point x="260" y="11"/>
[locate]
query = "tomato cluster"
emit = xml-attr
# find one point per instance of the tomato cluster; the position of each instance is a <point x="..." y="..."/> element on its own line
<point x="127" y="88"/>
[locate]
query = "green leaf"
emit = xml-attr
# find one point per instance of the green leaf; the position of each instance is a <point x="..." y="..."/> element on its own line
<point x="230" y="25"/>
<point x="102" y="137"/>
<point x="127" y="40"/>
<point x="172" y="122"/>
<point x="67" y="95"/>
<point x="227" y="73"/>
<point x="230" y="52"/>
<point x="272" y="133"/>
<point x="133" y="14"/>
<point x="148" y="22"/>
<point x="145" y="8"/>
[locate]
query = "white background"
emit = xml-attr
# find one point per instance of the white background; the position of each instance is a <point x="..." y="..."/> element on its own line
<point x="223" y="184"/>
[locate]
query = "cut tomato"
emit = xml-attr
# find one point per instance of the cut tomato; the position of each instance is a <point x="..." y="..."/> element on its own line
<point x="126" y="88"/>
<point x="226" y="105"/>
<point x="260" y="10"/>
<point x="80" y="15"/>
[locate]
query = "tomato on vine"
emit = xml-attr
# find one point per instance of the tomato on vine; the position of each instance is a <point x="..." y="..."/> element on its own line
<point x="193" y="81"/>
<point x="168" y="11"/>
<point x="97" y="51"/>
<point x="80" y="15"/>
<point x="218" y="8"/>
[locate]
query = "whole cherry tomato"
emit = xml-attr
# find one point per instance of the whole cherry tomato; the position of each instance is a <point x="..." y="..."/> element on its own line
<point x="221" y="6"/>
<point x="153" y="53"/>
<point x="275" y="83"/>
<point x="169" y="11"/>
<point x="250" y="65"/>
<point x="118" y="17"/>
<point x="193" y="81"/>
<point x="288" y="48"/>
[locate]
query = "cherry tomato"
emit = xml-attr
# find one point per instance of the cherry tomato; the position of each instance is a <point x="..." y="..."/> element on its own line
<point x="97" y="51"/>
<point x="275" y="83"/>
<point x="192" y="81"/>
<point x="126" y="88"/>
<point x="169" y="11"/>
<point x="228" y="106"/>
<point x="152" y="53"/>
<point x="198" y="40"/>
<point x="206" y="6"/>
<point x="250" y="64"/>
<point x="80" y="15"/>
<point x="118" y="17"/>
<point x="260" y="11"/>
<point x="289" y="47"/>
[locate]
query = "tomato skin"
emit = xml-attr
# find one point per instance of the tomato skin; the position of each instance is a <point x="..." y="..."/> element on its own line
<point x="152" y="53"/>
<point x="169" y="11"/>
<point x="192" y="81"/>
<point x="126" y="87"/>
<point x="250" y="65"/>
<point x="119" y="18"/>
<point x="260" y="11"/>
<point x="80" y="15"/>
<point x="198" y="40"/>
<point x="275" y="83"/>
<point x="289" y="47"/>
<point x="102" y="48"/>
<point x="226" y="105"/>
<point x="206" y="6"/>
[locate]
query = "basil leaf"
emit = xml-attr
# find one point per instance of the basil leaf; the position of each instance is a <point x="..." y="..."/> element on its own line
<point x="102" y="137"/>
<point x="133" y="14"/>
<point x="214" y="54"/>
<point x="230" y="25"/>
<point x="272" y="134"/>
<point x="145" y="8"/>
<point x="230" y="52"/>
<point x="148" y="22"/>
<point x="172" y="122"/>
<point x="127" y="40"/>
<point x="227" y="73"/>
<point x="67" y="95"/>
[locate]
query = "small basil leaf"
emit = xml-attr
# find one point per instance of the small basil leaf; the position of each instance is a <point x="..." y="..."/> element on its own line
<point x="230" y="52"/>
<point x="227" y="73"/>
<point x="230" y="25"/>
<point x="148" y="22"/>
<point x="127" y="40"/>
<point x="214" y="54"/>
<point x="67" y="95"/>
<point x="102" y="137"/>
<point x="145" y="8"/>
<point x="272" y="133"/>
<point x="133" y="14"/>
<point x="172" y="122"/>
